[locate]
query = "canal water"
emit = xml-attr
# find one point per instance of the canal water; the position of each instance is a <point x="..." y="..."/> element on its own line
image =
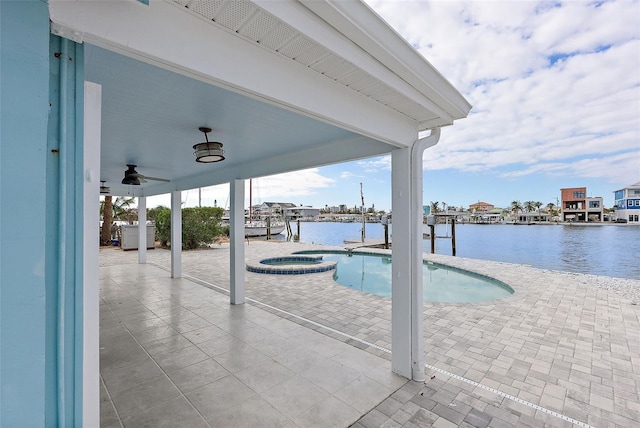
<point x="608" y="250"/>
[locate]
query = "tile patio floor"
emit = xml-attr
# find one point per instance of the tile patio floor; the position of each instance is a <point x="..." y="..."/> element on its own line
<point x="308" y="352"/>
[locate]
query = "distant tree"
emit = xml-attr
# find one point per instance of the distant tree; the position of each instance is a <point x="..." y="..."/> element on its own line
<point x="444" y="206"/>
<point x="538" y="204"/>
<point x="550" y="207"/>
<point x="435" y="209"/>
<point x="516" y="207"/>
<point x="528" y="205"/>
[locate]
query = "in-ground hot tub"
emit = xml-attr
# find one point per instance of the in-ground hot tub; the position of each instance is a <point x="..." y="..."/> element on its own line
<point x="292" y="265"/>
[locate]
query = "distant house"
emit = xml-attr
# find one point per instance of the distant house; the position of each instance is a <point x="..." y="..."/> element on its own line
<point x="300" y="212"/>
<point x="627" y="203"/>
<point x="272" y="209"/>
<point x="481" y="207"/>
<point x="576" y="206"/>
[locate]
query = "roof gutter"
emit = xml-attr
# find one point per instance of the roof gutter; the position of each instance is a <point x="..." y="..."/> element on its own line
<point x="417" y="303"/>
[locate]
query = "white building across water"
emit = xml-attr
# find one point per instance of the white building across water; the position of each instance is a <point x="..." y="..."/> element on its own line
<point x="627" y="203"/>
<point x="125" y="92"/>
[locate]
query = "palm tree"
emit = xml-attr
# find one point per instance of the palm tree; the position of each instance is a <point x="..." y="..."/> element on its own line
<point x="528" y="205"/>
<point x="122" y="210"/>
<point x="114" y="210"/>
<point x="550" y="207"/>
<point x="516" y="207"/>
<point x="538" y="204"/>
<point x="106" y="209"/>
<point x="435" y="209"/>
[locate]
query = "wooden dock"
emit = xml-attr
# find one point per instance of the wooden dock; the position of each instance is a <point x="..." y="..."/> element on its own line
<point x="352" y="244"/>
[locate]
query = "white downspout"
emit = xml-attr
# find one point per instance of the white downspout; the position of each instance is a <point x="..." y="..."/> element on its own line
<point x="417" y="302"/>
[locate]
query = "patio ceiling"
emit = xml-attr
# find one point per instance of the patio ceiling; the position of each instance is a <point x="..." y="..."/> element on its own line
<point x="151" y="117"/>
<point x="284" y="85"/>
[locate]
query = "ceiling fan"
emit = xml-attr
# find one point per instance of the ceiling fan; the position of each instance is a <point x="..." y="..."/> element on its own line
<point x="104" y="189"/>
<point x="133" y="177"/>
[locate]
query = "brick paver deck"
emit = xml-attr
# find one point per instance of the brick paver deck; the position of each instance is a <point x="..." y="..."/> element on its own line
<point x="563" y="350"/>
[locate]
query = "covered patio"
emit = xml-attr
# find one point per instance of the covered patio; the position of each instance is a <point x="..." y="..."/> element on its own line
<point x="96" y="90"/>
<point x="174" y="353"/>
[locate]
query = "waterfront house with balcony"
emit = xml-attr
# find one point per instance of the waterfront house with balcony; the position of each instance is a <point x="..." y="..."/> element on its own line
<point x="576" y="206"/>
<point x="595" y="209"/>
<point x="574" y="201"/>
<point x="627" y="203"/>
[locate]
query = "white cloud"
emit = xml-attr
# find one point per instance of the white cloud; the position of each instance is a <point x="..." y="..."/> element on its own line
<point x="345" y="175"/>
<point x="555" y="87"/>
<point x="376" y="164"/>
<point x="282" y="187"/>
<point x="288" y="185"/>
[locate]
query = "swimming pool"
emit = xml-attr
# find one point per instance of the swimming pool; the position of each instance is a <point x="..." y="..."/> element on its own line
<point x="371" y="273"/>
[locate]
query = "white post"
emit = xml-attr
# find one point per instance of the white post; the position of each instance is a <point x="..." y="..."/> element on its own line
<point x="416" y="222"/>
<point x="176" y="234"/>
<point x="417" y="295"/>
<point x="142" y="229"/>
<point x="407" y="301"/>
<point x="90" y="275"/>
<point x="401" y="334"/>
<point x="236" y="286"/>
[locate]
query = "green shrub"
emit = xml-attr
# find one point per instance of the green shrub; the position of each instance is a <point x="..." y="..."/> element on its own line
<point x="162" y="217"/>
<point x="200" y="226"/>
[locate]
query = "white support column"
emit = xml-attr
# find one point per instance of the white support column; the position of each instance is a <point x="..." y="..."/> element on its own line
<point x="90" y="275"/>
<point x="417" y="294"/>
<point x="176" y="234"/>
<point x="407" y="305"/>
<point x="236" y="286"/>
<point x="142" y="229"/>
<point x="401" y="331"/>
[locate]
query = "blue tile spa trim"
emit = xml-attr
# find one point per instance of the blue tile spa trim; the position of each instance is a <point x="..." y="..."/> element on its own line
<point x="279" y="266"/>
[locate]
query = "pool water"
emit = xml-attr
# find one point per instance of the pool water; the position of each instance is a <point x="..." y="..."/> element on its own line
<point x="371" y="273"/>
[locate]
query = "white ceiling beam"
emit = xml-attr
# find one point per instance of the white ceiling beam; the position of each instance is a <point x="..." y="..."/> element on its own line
<point x="368" y="42"/>
<point x="172" y="38"/>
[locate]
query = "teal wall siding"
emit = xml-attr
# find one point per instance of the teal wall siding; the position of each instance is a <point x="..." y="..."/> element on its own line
<point x="24" y="109"/>
<point x="41" y="179"/>
<point x="64" y="227"/>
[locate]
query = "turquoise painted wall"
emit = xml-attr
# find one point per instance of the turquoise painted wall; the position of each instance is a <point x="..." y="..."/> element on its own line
<point x="40" y="201"/>
<point x="24" y="110"/>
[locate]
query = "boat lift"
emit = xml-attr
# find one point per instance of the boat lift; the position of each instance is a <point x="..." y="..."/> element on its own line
<point x="432" y="221"/>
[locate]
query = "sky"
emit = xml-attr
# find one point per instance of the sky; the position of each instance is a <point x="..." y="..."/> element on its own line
<point x="555" y="90"/>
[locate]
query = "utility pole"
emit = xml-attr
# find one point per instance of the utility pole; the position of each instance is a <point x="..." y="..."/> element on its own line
<point x="362" y="210"/>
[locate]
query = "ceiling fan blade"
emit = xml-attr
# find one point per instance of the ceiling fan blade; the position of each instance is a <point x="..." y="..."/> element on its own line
<point x="156" y="179"/>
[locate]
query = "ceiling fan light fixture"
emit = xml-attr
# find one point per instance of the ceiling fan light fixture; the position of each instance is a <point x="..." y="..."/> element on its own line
<point x="131" y="176"/>
<point x="131" y="180"/>
<point x="208" y="151"/>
